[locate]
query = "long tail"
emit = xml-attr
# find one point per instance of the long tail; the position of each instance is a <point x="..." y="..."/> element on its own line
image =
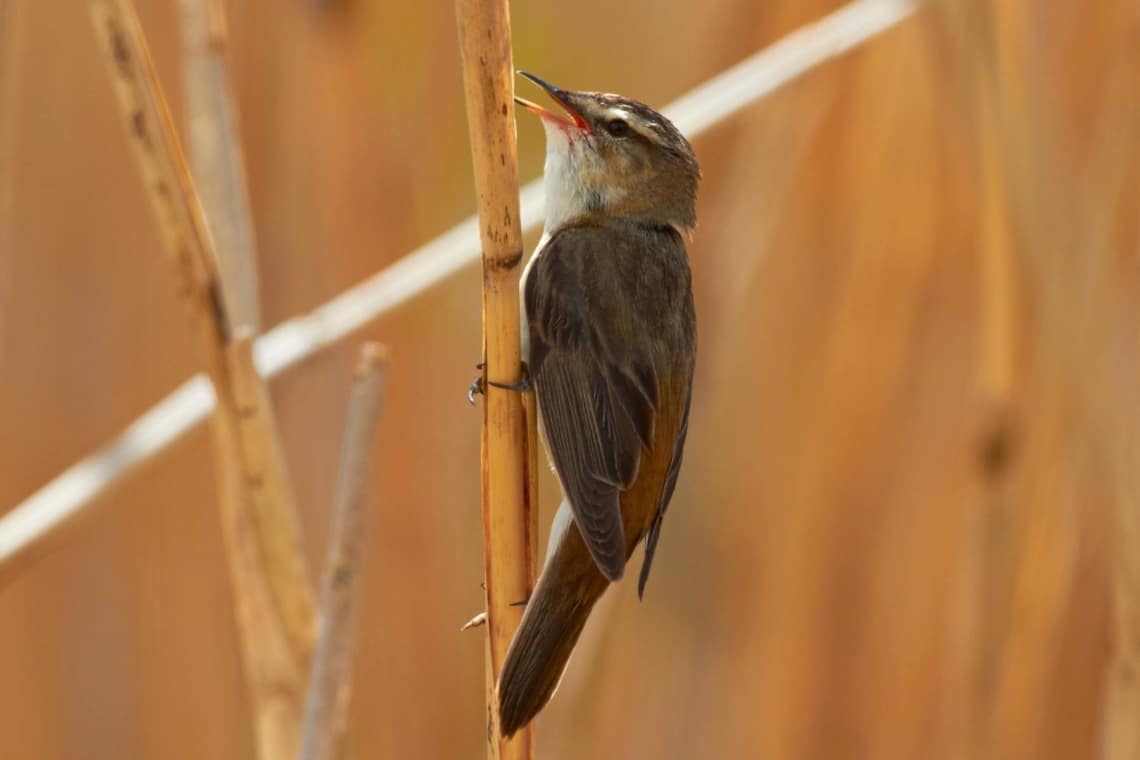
<point x="554" y="618"/>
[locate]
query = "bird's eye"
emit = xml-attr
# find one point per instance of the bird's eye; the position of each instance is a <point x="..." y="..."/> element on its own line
<point x="617" y="127"/>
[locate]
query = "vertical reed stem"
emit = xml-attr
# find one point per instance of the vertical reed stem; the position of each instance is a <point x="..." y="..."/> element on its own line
<point x="485" y="45"/>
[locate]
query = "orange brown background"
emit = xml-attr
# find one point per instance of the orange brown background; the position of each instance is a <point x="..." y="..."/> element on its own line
<point x="902" y="529"/>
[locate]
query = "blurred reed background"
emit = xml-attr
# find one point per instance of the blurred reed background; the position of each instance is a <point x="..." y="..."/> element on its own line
<point x="906" y="523"/>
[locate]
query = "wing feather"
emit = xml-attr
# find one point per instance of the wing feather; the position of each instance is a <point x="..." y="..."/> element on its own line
<point x="666" y="496"/>
<point x="598" y="399"/>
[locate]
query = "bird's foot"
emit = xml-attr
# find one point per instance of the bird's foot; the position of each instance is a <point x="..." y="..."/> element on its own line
<point x="479" y="386"/>
<point x="522" y="386"/>
<point x="476" y="387"/>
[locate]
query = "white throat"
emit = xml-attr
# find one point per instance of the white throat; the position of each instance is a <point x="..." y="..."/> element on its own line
<point x="563" y="200"/>
<point x="562" y="203"/>
<point x="567" y="195"/>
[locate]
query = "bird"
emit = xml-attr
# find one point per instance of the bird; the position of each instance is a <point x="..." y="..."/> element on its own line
<point x="609" y="342"/>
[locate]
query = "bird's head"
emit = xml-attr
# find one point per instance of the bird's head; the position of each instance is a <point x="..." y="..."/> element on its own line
<point x="614" y="156"/>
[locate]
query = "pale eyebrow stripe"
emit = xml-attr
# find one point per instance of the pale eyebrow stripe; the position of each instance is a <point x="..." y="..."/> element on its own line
<point x="648" y="128"/>
<point x="645" y="127"/>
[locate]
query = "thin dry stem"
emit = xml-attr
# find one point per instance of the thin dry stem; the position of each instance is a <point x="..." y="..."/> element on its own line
<point x="273" y="598"/>
<point x="275" y="664"/>
<point x="330" y="686"/>
<point x="216" y="155"/>
<point x="508" y="541"/>
<point x="60" y="502"/>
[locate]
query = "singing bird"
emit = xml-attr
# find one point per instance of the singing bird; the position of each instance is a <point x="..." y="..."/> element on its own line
<point x="609" y="338"/>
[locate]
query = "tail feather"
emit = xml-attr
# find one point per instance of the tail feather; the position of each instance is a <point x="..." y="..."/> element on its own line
<point x="538" y="654"/>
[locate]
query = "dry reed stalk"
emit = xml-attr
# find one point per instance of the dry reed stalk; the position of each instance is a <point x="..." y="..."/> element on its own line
<point x="272" y="594"/>
<point x="1111" y="171"/>
<point x="216" y="156"/>
<point x="1035" y="562"/>
<point x="330" y="685"/>
<point x="60" y="502"/>
<point x="508" y="540"/>
<point x="990" y="97"/>
<point x="275" y="660"/>
<point x="1064" y="258"/>
<point x="996" y="386"/>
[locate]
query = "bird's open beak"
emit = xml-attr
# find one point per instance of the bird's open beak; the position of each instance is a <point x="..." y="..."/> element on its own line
<point x="562" y="97"/>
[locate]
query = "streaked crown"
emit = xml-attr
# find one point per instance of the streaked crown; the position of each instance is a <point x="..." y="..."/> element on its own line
<point x="615" y="155"/>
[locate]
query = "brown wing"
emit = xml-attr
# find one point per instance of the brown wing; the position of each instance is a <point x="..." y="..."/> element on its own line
<point x="595" y="368"/>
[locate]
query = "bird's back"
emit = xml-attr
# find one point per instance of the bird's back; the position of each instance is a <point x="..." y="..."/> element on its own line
<point x="611" y="325"/>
